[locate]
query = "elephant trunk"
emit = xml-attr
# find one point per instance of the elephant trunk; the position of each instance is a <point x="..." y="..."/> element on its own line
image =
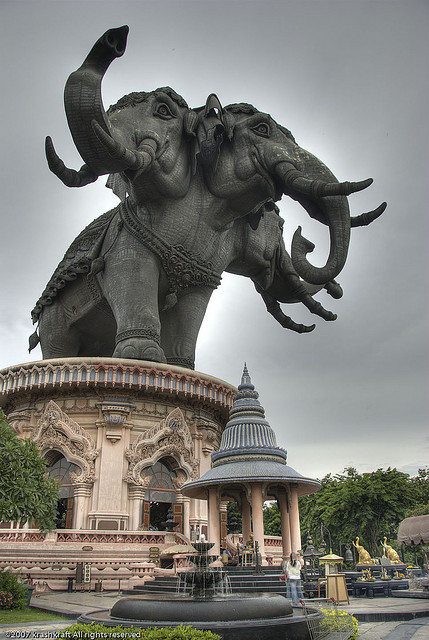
<point x="82" y="98"/>
<point x="324" y="198"/>
<point x="287" y="286"/>
<point x="87" y="119"/>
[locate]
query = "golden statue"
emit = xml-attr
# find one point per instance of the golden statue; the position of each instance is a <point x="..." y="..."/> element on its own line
<point x="364" y="557"/>
<point x="390" y="553"/>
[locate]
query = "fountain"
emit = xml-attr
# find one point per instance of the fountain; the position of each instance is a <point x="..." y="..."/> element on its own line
<point x="204" y="600"/>
<point x="204" y="581"/>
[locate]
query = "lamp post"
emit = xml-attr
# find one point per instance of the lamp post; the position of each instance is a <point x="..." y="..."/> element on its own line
<point x="310" y="555"/>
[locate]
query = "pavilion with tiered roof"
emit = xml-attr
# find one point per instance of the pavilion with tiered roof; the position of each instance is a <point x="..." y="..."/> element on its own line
<point x="250" y="468"/>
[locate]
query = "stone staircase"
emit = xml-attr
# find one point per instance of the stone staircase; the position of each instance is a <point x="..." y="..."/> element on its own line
<point x="242" y="579"/>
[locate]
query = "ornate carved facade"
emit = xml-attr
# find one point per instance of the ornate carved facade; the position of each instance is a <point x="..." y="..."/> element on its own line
<point x="131" y="435"/>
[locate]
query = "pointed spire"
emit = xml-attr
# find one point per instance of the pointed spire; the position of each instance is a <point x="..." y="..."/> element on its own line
<point x="245" y="378"/>
<point x="248" y="433"/>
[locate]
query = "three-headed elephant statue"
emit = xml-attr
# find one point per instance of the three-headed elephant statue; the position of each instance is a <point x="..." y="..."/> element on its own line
<point x="197" y="190"/>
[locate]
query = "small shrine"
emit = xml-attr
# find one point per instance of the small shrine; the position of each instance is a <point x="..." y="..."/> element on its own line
<point x="249" y="468"/>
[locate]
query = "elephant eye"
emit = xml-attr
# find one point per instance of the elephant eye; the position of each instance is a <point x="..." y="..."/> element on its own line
<point x="164" y="111"/>
<point x="262" y="129"/>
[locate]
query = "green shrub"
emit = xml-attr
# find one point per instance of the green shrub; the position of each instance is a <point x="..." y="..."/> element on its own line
<point x="9" y="583"/>
<point x="99" y="631"/>
<point x="332" y="623"/>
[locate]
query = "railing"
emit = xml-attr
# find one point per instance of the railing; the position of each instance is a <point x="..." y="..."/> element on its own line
<point x="231" y="546"/>
<point x="117" y="537"/>
<point x="117" y="374"/>
<point x="273" y="541"/>
<point x="97" y="537"/>
<point x="22" y="535"/>
<point x="83" y="537"/>
<point x="269" y="541"/>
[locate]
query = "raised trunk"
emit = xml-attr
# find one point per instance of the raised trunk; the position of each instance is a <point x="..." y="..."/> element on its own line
<point x="83" y="103"/>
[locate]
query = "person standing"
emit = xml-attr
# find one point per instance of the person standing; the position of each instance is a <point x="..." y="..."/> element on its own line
<point x="292" y="572"/>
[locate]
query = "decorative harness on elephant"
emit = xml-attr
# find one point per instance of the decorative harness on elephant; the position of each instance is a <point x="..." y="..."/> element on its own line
<point x="184" y="270"/>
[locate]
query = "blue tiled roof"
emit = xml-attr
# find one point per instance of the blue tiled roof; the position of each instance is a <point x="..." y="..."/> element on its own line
<point x="248" y="450"/>
<point x="256" y="470"/>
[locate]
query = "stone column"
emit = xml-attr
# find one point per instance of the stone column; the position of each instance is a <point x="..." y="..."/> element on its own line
<point x="199" y="508"/>
<point x="285" y="524"/>
<point x="82" y="493"/>
<point x="186" y="516"/>
<point x="245" y="518"/>
<point x="258" y="519"/>
<point x="295" y="530"/>
<point x="223" y="514"/>
<point x="214" y="528"/>
<point x="136" y="495"/>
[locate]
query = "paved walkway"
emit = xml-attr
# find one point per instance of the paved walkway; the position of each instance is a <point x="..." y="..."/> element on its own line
<point x="379" y="618"/>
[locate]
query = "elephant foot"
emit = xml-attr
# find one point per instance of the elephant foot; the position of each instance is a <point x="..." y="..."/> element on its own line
<point x="139" y="349"/>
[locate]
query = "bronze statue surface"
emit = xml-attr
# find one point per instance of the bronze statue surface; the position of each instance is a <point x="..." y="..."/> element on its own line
<point x="197" y="190"/>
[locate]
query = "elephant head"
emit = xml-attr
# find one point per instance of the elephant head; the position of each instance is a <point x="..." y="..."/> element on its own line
<point x="142" y="133"/>
<point x="261" y="255"/>
<point x="260" y="160"/>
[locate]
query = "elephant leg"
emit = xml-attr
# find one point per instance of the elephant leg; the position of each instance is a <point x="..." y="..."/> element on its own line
<point x="181" y="324"/>
<point x="57" y="338"/>
<point x="130" y="285"/>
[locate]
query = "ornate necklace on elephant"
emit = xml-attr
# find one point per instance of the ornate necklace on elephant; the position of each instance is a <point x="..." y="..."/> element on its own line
<point x="184" y="269"/>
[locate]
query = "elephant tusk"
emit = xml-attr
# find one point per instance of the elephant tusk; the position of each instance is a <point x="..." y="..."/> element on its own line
<point x="70" y="177"/>
<point x="135" y="160"/>
<point x="315" y="189"/>
<point x="366" y="218"/>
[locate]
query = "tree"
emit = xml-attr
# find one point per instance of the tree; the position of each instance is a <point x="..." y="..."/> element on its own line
<point x="368" y="505"/>
<point x="420" y="494"/>
<point x="233" y="517"/>
<point x="272" y="521"/>
<point x="26" y="491"/>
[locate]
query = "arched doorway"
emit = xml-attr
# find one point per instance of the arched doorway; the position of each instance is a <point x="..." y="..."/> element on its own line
<point x="60" y="469"/>
<point x="160" y="495"/>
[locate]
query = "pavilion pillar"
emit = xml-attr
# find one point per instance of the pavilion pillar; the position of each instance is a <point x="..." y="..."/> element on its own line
<point x="295" y="530"/>
<point x="214" y="528"/>
<point x="258" y="518"/>
<point x="285" y="524"/>
<point x="186" y="516"/>
<point x="245" y="518"/>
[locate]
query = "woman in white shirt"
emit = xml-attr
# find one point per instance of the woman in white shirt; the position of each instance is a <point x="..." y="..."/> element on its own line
<point x="292" y="572"/>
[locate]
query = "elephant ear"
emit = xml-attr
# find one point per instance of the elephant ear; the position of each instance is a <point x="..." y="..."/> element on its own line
<point x="118" y="185"/>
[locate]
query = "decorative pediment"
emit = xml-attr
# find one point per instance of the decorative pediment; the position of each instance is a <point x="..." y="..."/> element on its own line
<point x="170" y="437"/>
<point x="56" y="430"/>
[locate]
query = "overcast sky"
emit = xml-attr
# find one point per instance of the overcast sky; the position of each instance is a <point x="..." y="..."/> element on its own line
<point x="350" y="80"/>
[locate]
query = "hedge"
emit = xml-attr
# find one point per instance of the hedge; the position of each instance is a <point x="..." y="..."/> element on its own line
<point x="100" y="632"/>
